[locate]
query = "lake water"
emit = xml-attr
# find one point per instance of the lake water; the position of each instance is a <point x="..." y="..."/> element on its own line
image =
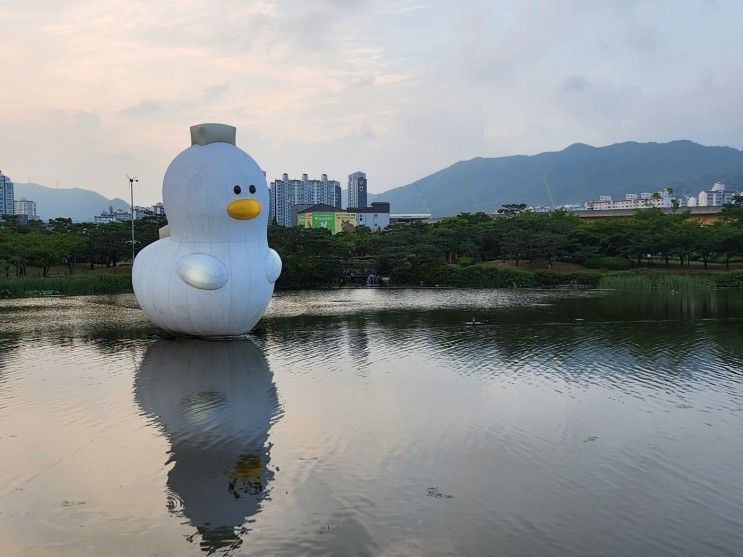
<point x="377" y="422"/>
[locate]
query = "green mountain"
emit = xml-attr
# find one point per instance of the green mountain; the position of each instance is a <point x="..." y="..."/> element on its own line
<point x="75" y="203"/>
<point x="574" y="175"/>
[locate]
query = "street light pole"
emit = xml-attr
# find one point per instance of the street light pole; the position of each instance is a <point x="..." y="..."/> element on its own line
<point x="131" y="191"/>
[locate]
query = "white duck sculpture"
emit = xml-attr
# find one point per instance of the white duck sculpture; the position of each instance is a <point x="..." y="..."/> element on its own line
<point x="213" y="276"/>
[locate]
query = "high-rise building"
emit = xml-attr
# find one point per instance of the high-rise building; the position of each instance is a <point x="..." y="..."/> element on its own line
<point x="26" y="207"/>
<point x="7" y="205"/>
<point x="357" y="189"/>
<point x="286" y="193"/>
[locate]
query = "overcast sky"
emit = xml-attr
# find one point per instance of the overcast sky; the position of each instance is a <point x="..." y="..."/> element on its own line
<point x="92" y="90"/>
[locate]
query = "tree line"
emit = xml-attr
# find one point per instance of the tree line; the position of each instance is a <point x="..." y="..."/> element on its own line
<point x="76" y="246"/>
<point x="421" y="253"/>
<point x="408" y="254"/>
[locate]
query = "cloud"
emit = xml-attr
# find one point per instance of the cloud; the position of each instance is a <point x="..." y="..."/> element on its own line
<point x="144" y="109"/>
<point x="418" y="83"/>
<point x="361" y="133"/>
<point x="577" y="84"/>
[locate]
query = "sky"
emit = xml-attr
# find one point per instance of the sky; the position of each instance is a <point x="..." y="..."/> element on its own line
<point x="92" y="90"/>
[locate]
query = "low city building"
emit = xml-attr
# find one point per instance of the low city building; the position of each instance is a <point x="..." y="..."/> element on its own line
<point x="328" y="217"/>
<point x="320" y="215"/>
<point x="295" y="209"/>
<point x="121" y="215"/>
<point x="716" y="196"/>
<point x="408" y="218"/>
<point x="632" y="201"/>
<point x="376" y="217"/>
<point x="571" y="206"/>
<point x="703" y="215"/>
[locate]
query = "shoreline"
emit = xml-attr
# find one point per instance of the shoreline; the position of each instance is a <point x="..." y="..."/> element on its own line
<point x="452" y="277"/>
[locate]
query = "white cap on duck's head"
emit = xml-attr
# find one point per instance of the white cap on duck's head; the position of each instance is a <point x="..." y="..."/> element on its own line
<point x="204" y="134"/>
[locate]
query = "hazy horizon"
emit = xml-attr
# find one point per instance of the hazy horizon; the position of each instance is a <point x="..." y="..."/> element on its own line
<point x="97" y="89"/>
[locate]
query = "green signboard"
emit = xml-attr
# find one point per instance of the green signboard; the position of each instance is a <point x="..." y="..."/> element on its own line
<point x="324" y="220"/>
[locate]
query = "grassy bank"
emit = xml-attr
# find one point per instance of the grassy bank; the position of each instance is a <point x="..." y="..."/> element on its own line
<point x="477" y="276"/>
<point x="670" y="282"/>
<point x="71" y="285"/>
<point x="448" y="276"/>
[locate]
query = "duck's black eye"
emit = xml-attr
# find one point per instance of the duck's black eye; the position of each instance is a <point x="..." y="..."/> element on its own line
<point x="252" y="188"/>
<point x="237" y="190"/>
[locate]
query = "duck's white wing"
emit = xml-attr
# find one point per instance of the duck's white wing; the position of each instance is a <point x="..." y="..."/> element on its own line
<point x="273" y="265"/>
<point x="203" y="271"/>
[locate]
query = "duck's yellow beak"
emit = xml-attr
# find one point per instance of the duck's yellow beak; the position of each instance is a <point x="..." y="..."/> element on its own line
<point x="244" y="209"/>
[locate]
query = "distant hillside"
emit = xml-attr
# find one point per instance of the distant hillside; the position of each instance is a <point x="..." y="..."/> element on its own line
<point x="75" y="203"/>
<point x="573" y="175"/>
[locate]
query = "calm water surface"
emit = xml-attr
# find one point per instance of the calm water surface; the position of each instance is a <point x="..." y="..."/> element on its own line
<point x="377" y="422"/>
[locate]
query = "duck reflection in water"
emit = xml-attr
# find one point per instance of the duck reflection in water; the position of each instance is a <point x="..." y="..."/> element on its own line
<point x="216" y="402"/>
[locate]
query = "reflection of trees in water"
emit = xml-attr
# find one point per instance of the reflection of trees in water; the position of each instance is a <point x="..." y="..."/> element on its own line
<point x="604" y="337"/>
<point x="357" y="329"/>
<point x="8" y="349"/>
<point x="216" y="402"/>
<point x="122" y="347"/>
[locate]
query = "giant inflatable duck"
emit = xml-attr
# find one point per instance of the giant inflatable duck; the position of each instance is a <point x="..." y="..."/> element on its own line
<point x="213" y="275"/>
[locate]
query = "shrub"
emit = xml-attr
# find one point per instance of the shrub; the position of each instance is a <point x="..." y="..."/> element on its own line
<point x="732" y="279"/>
<point x="551" y="279"/>
<point x="608" y="263"/>
<point x="643" y="282"/>
<point x="69" y="285"/>
<point x="300" y="271"/>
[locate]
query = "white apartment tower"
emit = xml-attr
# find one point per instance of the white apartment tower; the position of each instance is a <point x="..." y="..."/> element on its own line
<point x="7" y="207"/>
<point x="286" y="193"/>
<point x="26" y="207"/>
<point x="357" y="190"/>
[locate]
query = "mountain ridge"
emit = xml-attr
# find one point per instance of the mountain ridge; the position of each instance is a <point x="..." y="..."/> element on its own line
<point x="575" y="174"/>
<point x="79" y="204"/>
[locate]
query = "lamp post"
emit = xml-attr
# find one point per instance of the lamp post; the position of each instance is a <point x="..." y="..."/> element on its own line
<point x="131" y="191"/>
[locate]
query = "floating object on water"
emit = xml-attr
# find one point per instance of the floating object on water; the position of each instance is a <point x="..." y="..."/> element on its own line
<point x="473" y="322"/>
<point x="212" y="275"/>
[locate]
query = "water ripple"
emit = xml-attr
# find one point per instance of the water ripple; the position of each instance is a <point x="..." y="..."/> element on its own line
<point x="377" y="422"/>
